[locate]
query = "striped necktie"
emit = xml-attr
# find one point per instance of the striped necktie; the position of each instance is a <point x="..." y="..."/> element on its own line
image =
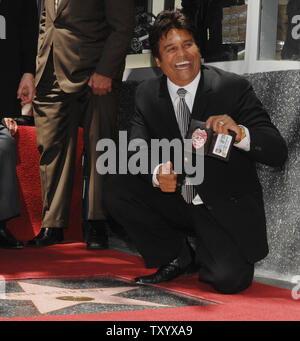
<point x="183" y="116"/>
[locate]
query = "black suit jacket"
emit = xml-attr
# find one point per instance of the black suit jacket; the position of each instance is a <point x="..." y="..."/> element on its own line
<point x="18" y="50"/>
<point x="231" y="191"/>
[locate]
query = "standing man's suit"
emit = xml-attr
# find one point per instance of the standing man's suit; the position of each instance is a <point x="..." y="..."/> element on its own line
<point x="230" y="224"/>
<point x="76" y="40"/>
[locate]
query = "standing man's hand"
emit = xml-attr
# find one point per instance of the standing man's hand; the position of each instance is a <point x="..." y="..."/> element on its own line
<point x="101" y="85"/>
<point x="11" y="125"/>
<point x="26" y="90"/>
<point x="167" y="178"/>
<point x="222" y="123"/>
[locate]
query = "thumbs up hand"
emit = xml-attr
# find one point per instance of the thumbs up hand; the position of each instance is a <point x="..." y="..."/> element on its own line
<point x="167" y="178"/>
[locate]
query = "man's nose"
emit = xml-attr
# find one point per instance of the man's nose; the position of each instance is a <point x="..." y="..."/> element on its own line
<point x="181" y="52"/>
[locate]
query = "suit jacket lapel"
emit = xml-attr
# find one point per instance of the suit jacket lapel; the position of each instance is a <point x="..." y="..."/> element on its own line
<point x="167" y="109"/>
<point x="202" y="95"/>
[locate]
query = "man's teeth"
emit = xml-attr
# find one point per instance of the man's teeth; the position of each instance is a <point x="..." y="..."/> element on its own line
<point x="182" y="63"/>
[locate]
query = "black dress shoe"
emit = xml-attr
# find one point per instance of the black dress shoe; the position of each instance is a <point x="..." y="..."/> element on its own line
<point x="97" y="238"/>
<point x="165" y="273"/>
<point x="47" y="236"/>
<point x="8" y="241"/>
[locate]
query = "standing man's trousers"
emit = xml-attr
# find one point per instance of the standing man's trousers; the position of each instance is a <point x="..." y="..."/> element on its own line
<point x="57" y="117"/>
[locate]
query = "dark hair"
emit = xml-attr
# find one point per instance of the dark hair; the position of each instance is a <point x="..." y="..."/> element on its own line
<point x="165" y="21"/>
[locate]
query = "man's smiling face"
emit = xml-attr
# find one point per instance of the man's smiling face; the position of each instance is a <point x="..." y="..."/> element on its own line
<point x="180" y="59"/>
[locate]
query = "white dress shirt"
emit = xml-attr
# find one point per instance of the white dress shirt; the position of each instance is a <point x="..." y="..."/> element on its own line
<point x="191" y="89"/>
<point x="56" y="2"/>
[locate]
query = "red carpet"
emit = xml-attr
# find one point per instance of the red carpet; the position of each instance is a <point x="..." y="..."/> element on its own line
<point x="258" y="303"/>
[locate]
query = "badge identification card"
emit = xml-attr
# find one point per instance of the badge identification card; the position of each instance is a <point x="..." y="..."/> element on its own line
<point x="222" y="145"/>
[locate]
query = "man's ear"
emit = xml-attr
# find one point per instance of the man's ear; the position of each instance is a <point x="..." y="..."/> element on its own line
<point x="157" y="61"/>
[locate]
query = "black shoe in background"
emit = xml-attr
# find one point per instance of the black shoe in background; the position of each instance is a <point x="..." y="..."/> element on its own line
<point x="7" y="240"/>
<point x="47" y="236"/>
<point x="96" y="235"/>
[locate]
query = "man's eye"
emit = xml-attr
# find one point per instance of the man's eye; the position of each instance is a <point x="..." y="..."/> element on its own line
<point x="172" y="49"/>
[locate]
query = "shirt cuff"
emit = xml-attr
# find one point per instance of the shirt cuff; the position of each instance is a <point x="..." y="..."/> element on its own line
<point x="154" y="177"/>
<point x="245" y="143"/>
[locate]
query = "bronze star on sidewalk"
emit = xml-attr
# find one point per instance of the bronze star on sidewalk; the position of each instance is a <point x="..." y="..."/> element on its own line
<point x="47" y="299"/>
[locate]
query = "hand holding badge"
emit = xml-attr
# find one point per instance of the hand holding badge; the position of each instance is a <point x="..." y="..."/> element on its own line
<point x="212" y="136"/>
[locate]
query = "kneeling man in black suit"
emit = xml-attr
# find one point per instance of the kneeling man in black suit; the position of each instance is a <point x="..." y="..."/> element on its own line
<point x="226" y="211"/>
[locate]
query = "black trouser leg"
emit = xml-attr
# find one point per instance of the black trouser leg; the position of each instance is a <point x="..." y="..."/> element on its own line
<point x="156" y="222"/>
<point x="221" y="262"/>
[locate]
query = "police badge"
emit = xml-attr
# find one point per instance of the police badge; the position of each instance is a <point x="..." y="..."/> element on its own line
<point x="215" y="145"/>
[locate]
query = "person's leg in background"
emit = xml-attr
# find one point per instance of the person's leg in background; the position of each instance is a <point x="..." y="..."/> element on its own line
<point x="9" y="196"/>
<point x="99" y="122"/>
<point x="56" y="119"/>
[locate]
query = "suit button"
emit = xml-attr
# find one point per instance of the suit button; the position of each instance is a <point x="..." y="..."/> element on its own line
<point x="209" y="207"/>
<point x="258" y="148"/>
